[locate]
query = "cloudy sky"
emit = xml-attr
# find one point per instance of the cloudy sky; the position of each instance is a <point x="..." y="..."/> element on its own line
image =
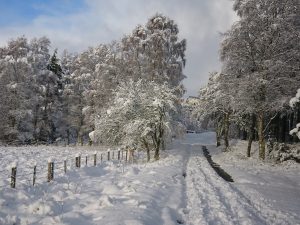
<point x="77" y="24"/>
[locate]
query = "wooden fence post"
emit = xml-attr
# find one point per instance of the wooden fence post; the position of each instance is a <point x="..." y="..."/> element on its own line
<point x="13" y="175"/>
<point x="77" y="160"/>
<point x="86" y="160"/>
<point x="65" y="165"/>
<point x="50" y="169"/>
<point x="95" y="158"/>
<point x="34" y="175"/>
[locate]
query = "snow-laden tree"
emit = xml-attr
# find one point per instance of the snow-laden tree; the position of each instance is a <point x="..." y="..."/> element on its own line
<point x="154" y="52"/>
<point x="133" y="57"/>
<point x="83" y="92"/>
<point x="140" y="116"/>
<point x="190" y="121"/>
<point x="44" y="99"/>
<point x="207" y="109"/>
<point x="109" y="71"/>
<point x="48" y="79"/>
<point x="151" y="53"/>
<point x="262" y="51"/>
<point x="166" y="52"/>
<point x="39" y="56"/>
<point x="57" y="115"/>
<point x="30" y="91"/>
<point x="295" y="102"/>
<point x="16" y="87"/>
<point x="68" y="131"/>
<point x="216" y="104"/>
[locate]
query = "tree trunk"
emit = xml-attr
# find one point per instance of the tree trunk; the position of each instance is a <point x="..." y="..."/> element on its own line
<point x="296" y="121"/>
<point x="291" y="123"/>
<point x="157" y="146"/>
<point x="156" y="153"/>
<point x="147" y="149"/>
<point x="219" y="133"/>
<point x="68" y="137"/>
<point x="80" y="140"/>
<point x="278" y="130"/>
<point x="251" y="135"/>
<point x="35" y="122"/>
<point x="80" y="131"/>
<point x="245" y="134"/>
<point x="261" y="137"/>
<point x="148" y="155"/>
<point x="239" y="133"/>
<point x="163" y="144"/>
<point x="226" y="130"/>
<point x="282" y="128"/>
<point x="160" y="137"/>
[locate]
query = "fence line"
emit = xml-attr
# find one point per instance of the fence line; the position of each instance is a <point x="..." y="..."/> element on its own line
<point x="48" y="171"/>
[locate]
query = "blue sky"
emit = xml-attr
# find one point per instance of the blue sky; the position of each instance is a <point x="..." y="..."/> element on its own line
<point x="21" y="12"/>
<point x="77" y="24"/>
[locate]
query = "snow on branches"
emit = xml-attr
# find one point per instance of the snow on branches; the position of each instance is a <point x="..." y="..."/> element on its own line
<point x="140" y="116"/>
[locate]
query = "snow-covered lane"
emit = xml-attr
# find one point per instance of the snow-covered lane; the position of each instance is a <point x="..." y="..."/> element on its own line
<point x="211" y="200"/>
<point x="180" y="188"/>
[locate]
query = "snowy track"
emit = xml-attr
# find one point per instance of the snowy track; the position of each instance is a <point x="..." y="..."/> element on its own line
<point x="211" y="200"/>
<point x="180" y="188"/>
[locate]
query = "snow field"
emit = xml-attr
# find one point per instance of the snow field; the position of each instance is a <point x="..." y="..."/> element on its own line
<point x="111" y="193"/>
<point x="27" y="157"/>
<point x="180" y="188"/>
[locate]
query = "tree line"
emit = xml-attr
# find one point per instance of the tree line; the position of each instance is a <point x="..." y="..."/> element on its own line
<point x="45" y="98"/>
<point x="260" y="73"/>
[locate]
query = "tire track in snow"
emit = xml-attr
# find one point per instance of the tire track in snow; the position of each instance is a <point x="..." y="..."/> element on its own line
<point x="238" y="208"/>
<point x="211" y="200"/>
<point x="204" y="204"/>
<point x="258" y="209"/>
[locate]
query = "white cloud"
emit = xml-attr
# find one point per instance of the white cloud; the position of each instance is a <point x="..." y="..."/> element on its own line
<point x="199" y="21"/>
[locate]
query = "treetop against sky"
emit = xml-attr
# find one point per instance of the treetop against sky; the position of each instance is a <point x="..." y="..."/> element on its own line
<point x="75" y="25"/>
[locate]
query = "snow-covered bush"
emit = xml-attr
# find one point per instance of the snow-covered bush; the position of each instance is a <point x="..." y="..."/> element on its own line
<point x="280" y="152"/>
<point x="140" y="116"/>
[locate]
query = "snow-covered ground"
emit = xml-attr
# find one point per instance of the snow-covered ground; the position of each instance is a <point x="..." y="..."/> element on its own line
<point x="179" y="188"/>
<point x="273" y="188"/>
<point x="261" y="193"/>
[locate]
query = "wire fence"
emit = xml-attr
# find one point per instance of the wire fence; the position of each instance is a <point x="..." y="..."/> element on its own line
<point x="41" y="173"/>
